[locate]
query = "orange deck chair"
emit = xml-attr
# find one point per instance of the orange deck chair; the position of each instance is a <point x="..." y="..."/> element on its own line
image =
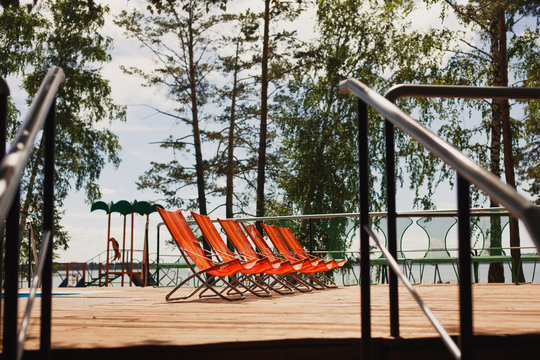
<point x="310" y="267"/>
<point x="298" y="249"/>
<point x="256" y="266"/>
<point x="190" y="248"/>
<point x="278" y="269"/>
<point x="263" y="247"/>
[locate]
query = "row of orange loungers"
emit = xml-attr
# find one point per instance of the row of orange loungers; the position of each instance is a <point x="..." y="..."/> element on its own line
<point x="246" y="270"/>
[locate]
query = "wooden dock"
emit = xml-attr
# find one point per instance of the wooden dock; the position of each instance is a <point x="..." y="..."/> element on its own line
<point x="119" y="319"/>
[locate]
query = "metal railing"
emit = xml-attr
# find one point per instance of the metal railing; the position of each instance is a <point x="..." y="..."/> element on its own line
<point x="41" y="115"/>
<point x="467" y="172"/>
<point x="312" y="229"/>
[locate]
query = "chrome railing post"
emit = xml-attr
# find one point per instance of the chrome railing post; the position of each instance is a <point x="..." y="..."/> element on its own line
<point x="311" y="236"/>
<point x="29" y="263"/>
<point x="11" y="283"/>
<point x="157" y="256"/>
<point x="363" y="195"/>
<point x="48" y="225"/>
<point x="465" y="273"/>
<point x="392" y="232"/>
<point x="4" y="94"/>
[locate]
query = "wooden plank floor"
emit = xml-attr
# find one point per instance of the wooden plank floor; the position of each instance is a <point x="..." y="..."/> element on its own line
<point x="118" y="317"/>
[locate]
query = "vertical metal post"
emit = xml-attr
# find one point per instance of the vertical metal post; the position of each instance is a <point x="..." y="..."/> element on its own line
<point x="146" y="264"/>
<point x="4" y="93"/>
<point x="29" y="269"/>
<point x="311" y="236"/>
<point x="392" y="232"/>
<point x="48" y="225"/>
<point x="124" y="249"/>
<point x="131" y="251"/>
<point x="11" y="282"/>
<point x="84" y="274"/>
<point x="108" y="249"/>
<point x="363" y="194"/>
<point x="157" y="260"/>
<point x="465" y="286"/>
<point x="99" y="274"/>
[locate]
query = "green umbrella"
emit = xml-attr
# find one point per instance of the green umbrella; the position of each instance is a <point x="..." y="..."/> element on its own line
<point x="145" y="208"/>
<point x="101" y="205"/>
<point x="123" y="207"/>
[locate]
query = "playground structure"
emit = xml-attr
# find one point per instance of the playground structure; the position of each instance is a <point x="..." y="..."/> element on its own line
<point x="111" y="270"/>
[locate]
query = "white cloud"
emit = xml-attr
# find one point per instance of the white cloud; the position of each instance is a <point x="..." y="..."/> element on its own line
<point x="107" y="191"/>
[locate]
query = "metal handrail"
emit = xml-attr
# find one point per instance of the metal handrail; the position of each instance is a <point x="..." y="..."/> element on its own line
<point x="470" y="170"/>
<point x="12" y="166"/>
<point x="461" y="91"/>
<point x="447" y="340"/>
<point x="41" y="115"/>
<point x="467" y="172"/>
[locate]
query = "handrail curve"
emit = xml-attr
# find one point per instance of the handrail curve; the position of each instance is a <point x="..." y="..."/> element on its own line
<point x="41" y="115"/>
<point x="12" y="166"/>
<point x="505" y="194"/>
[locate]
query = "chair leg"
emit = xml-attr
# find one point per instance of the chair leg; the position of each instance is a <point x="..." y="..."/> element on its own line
<point x="255" y="288"/>
<point x="294" y="282"/>
<point x="230" y="288"/>
<point x="279" y="290"/>
<point x="168" y="296"/>
<point x="315" y="283"/>
<point x="207" y="287"/>
<point x="300" y="284"/>
<point x="330" y="285"/>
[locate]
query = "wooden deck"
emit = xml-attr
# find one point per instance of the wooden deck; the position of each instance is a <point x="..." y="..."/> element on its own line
<point x="134" y="317"/>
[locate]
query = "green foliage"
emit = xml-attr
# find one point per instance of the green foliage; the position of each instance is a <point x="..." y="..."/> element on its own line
<point x="319" y="130"/>
<point x="369" y="41"/>
<point x="67" y="34"/>
<point x="17" y="36"/>
<point x="527" y="68"/>
<point x="237" y="138"/>
<point x="179" y="35"/>
<point x="470" y="60"/>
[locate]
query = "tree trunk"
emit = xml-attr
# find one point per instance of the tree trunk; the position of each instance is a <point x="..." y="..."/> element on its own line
<point x="507" y="142"/>
<point x="199" y="166"/>
<point x="264" y="114"/>
<point x="496" y="271"/>
<point x="25" y="206"/>
<point x="230" y="145"/>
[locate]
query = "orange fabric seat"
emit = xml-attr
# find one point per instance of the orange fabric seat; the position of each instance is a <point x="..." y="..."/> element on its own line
<point x="312" y="267"/>
<point x="298" y="249"/>
<point x="308" y="266"/>
<point x="190" y="248"/>
<point x="251" y="266"/>
<point x="234" y="232"/>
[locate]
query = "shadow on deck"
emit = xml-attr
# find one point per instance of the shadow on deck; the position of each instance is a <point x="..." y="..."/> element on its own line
<point x="486" y="347"/>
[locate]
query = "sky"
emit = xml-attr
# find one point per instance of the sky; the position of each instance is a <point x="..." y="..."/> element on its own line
<point x="137" y="136"/>
<point x="143" y="127"/>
